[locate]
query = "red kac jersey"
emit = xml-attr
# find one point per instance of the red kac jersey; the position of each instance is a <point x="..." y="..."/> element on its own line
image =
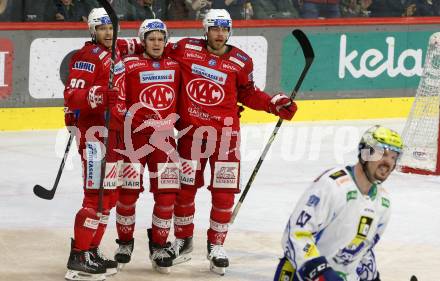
<point x="151" y="88"/>
<point x="212" y="85"/>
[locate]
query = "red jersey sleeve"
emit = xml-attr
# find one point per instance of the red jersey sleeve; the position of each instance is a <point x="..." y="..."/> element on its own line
<point x="248" y="94"/>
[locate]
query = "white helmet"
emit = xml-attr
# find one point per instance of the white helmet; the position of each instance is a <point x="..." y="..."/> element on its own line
<point x="97" y="16"/>
<point x="217" y="17"/>
<point x="149" y="25"/>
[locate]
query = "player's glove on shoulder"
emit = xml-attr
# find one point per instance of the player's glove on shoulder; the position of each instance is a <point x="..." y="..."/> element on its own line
<point x="282" y="106"/>
<point x="318" y="269"/>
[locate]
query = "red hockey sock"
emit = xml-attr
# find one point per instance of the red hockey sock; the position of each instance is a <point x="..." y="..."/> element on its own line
<point x="126" y="214"/>
<point x="184" y="213"/>
<point x="221" y="211"/>
<point x="101" y="229"/>
<point x="162" y="216"/>
<point x="86" y="223"/>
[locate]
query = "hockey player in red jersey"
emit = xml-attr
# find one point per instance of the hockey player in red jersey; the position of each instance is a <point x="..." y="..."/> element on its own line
<point x="87" y="96"/>
<point x="215" y="77"/>
<point x="152" y="83"/>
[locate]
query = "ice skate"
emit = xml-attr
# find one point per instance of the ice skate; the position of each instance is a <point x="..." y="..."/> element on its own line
<point x="161" y="256"/>
<point x="218" y="258"/>
<point x="123" y="253"/>
<point x="80" y="266"/>
<point x="182" y="249"/>
<point x="110" y="265"/>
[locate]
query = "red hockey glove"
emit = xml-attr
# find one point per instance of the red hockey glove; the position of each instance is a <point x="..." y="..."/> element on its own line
<point x="100" y="96"/>
<point x="282" y="106"/>
<point x="69" y="119"/>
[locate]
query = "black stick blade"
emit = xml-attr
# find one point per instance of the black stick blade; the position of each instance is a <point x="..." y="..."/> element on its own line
<point x="43" y="193"/>
<point x="305" y="45"/>
<point x="413" y="278"/>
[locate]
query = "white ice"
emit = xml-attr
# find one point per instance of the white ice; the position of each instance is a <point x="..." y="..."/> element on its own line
<point x="34" y="233"/>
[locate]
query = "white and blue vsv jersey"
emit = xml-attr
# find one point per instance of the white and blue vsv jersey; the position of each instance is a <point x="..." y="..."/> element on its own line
<point x="334" y="219"/>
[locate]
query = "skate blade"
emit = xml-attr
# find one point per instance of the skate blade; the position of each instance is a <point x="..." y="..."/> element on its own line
<point x="121" y="266"/>
<point x="74" y="275"/>
<point x="217" y="270"/>
<point x="162" y="270"/>
<point x="111" y="272"/>
<point x="181" y="259"/>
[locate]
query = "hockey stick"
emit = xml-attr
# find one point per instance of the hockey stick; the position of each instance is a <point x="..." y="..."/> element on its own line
<point x="413" y="278"/>
<point x="309" y="56"/>
<point x="114" y="19"/>
<point x="48" y="194"/>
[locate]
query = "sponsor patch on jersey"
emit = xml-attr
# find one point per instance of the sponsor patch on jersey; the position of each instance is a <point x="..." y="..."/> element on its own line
<point x="193" y="47"/>
<point x="241" y="57"/>
<point x="188" y="54"/>
<point x="188" y="171"/>
<point x="168" y="175"/>
<point x="310" y="250"/>
<point x="93" y="169"/>
<point x="96" y="50"/>
<point x="225" y="175"/>
<point x="119" y="68"/>
<point x="251" y="76"/>
<point x="338" y="174"/>
<point x="112" y="173"/>
<point x="157" y="96"/>
<point x="91" y="223"/>
<point x="155" y="76"/>
<point x="175" y="45"/>
<point x="183" y="220"/>
<point x="131" y="175"/>
<point x="385" y="202"/>
<point x="212" y="62"/>
<point x="127" y="59"/>
<point x="229" y="66"/>
<point x="352" y="195"/>
<point x="364" y="227"/>
<point x="237" y="61"/>
<point x="156" y="64"/>
<point x="84" y="65"/>
<point x="205" y="92"/>
<point x="134" y="65"/>
<point x="102" y="55"/>
<point x="171" y="63"/>
<point x="212" y="74"/>
<point x="313" y="201"/>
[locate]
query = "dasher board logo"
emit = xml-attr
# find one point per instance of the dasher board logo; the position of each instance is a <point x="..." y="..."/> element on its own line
<point x="359" y="61"/>
<point x="6" y="63"/>
<point x="156" y="76"/>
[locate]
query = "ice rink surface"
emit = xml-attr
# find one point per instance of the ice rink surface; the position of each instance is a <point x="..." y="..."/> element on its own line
<point x="35" y="233"/>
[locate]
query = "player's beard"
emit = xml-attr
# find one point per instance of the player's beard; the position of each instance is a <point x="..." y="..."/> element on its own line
<point x="382" y="172"/>
<point x="217" y="45"/>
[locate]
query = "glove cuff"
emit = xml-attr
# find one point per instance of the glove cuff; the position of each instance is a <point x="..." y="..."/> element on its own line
<point x="314" y="268"/>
